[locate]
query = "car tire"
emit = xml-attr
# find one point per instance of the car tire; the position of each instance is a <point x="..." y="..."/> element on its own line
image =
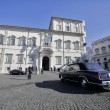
<point x="84" y="83"/>
<point x="61" y="79"/>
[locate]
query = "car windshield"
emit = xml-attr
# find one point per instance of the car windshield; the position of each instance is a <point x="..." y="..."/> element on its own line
<point x="93" y="66"/>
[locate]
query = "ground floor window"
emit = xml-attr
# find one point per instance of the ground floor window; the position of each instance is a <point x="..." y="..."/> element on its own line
<point x="67" y="59"/>
<point x="30" y="60"/>
<point x="8" y="68"/>
<point x="20" y="68"/>
<point x="9" y="58"/>
<point x="20" y="58"/>
<point x="58" y="60"/>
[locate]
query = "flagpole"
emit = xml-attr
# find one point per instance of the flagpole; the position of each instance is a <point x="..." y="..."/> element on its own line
<point x="63" y="41"/>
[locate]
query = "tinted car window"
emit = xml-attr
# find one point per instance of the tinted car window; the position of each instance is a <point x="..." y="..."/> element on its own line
<point x="63" y="68"/>
<point x="67" y="68"/>
<point x="72" y="68"/>
<point x="76" y="67"/>
<point x="93" y="66"/>
<point x="82" y="66"/>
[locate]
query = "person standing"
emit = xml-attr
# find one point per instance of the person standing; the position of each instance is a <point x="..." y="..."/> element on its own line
<point x="29" y="73"/>
<point x="25" y="71"/>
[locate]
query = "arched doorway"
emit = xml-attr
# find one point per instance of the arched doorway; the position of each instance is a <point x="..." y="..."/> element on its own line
<point x="45" y="63"/>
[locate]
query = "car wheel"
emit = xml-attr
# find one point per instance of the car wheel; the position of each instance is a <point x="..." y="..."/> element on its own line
<point x="84" y="83"/>
<point x="61" y="79"/>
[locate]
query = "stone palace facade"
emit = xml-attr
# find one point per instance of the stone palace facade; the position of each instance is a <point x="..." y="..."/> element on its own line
<point x="21" y="47"/>
<point x="101" y="52"/>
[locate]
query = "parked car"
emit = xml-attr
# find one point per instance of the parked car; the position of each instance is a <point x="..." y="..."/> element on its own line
<point x="86" y="74"/>
<point x="17" y="72"/>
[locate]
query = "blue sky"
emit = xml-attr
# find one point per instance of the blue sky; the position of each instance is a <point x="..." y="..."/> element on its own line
<point x="37" y="14"/>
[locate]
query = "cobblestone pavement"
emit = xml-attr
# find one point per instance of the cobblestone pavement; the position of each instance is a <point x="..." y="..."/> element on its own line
<point x="46" y="92"/>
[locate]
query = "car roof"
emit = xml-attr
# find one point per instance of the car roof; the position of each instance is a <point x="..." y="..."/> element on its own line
<point x="80" y="63"/>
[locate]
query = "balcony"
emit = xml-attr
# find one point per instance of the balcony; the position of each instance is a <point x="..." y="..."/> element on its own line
<point x="48" y="50"/>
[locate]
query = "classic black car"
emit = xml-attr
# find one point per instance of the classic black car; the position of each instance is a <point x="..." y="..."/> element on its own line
<point x="86" y="74"/>
<point x="17" y="72"/>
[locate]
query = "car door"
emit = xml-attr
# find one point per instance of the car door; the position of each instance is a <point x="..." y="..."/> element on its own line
<point x="73" y="73"/>
<point x="67" y="73"/>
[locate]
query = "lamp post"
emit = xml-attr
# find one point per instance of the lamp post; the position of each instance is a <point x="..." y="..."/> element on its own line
<point x="63" y="41"/>
<point x="82" y="53"/>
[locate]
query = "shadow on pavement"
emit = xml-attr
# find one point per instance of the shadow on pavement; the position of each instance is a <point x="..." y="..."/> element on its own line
<point x="69" y="87"/>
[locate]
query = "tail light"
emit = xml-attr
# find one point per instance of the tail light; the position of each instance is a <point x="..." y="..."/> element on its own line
<point x="100" y="76"/>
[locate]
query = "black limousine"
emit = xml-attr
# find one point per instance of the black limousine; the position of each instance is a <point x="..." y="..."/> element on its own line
<point x="86" y="74"/>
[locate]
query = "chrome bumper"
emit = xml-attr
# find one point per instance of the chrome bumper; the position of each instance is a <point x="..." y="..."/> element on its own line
<point x="106" y="83"/>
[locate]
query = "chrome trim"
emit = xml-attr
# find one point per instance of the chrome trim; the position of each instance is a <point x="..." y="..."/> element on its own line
<point x="104" y="83"/>
<point x="70" y="80"/>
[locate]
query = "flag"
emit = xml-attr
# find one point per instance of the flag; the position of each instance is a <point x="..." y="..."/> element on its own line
<point x="50" y="38"/>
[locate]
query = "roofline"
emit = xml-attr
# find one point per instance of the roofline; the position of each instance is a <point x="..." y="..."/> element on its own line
<point x="104" y="38"/>
<point x="63" y="19"/>
<point x="20" y="27"/>
<point x="38" y="29"/>
<point x="66" y="19"/>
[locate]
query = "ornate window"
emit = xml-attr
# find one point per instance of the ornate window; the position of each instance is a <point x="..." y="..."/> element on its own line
<point x="22" y="41"/>
<point x="97" y="51"/>
<point x="29" y="42"/>
<point x="1" y="39"/>
<point x="11" y="40"/>
<point x="46" y="41"/>
<point x="75" y="27"/>
<point x="76" y="45"/>
<point x="58" y="27"/>
<point x="32" y="41"/>
<point x="103" y="49"/>
<point x="67" y="44"/>
<point x="20" y="58"/>
<point x="67" y="27"/>
<point x="58" y="44"/>
<point x="9" y="58"/>
<point x="58" y="60"/>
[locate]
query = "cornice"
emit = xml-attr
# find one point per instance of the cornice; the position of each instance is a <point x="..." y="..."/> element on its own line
<point x="101" y="40"/>
<point x="101" y="55"/>
<point x="28" y="29"/>
<point x="65" y="19"/>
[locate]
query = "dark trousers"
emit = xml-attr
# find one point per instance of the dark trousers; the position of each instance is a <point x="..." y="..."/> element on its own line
<point x="29" y="76"/>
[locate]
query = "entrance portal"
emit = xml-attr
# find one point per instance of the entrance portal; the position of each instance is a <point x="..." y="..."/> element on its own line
<point x="45" y="63"/>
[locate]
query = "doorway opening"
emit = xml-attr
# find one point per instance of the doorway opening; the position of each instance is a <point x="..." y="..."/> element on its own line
<point x="45" y="63"/>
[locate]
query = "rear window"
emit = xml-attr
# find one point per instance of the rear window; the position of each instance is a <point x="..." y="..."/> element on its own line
<point x="93" y="66"/>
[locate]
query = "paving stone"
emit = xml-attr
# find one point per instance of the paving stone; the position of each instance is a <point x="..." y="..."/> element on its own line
<point x="46" y="92"/>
